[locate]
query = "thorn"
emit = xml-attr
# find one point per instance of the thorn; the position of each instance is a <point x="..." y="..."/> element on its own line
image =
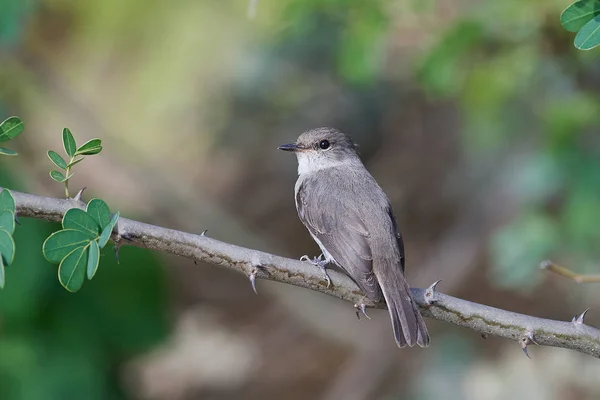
<point x="363" y="309"/>
<point x="526" y="340"/>
<point x="79" y="194"/>
<point x="484" y="336"/>
<point x="204" y="232"/>
<point x="430" y="293"/>
<point x="252" y="278"/>
<point x="578" y="319"/>
<point x="256" y="266"/>
<point x="17" y="220"/>
<point x="195" y="262"/>
<point x="117" y="247"/>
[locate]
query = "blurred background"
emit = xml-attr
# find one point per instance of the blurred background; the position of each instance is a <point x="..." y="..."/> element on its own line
<point x="479" y="120"/>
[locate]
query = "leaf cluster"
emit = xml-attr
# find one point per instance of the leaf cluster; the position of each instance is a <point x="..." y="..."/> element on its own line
<point x="7" y="228"/>
<point x="583" y="17"/>
<point x="91" y="147"/>
<point x="76" y="248"/>
<point x="10" y="128"/>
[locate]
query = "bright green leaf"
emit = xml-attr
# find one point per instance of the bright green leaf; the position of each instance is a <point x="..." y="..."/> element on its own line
<point x="8" y="152"/>
<point x="57" y="159"/>
<point x="69" y="142"/>
<point x="71" y="271"/>
<point x="58" y="245"/>
<point x="78" y="219"/>
<point x="7" y="247"/>
<point x="77" y="161"/>
<point x="90" y="147"/>
<point x="7" y="201"/>
<point x="57" y="176"/>
<point x="575" y="16"/>
<point x="7" y="221"/>
<point x="99" y="211"/>
<point x="114" y="219"/>
<point x="105" y="235"/>
<point x="10" y="128"/>
<point x="1" y="272"/>
<point x="107" y="231"/>
<point x="588" y="36"/>
<point x="93" y="259"/>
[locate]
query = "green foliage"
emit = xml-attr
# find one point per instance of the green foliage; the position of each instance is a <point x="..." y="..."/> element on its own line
<point x="7" y="228"/>
<point x="583" y="17"/>
<point x="70" y="348"/>
<point x="76" y="248"/>
<point x="10" y="128"/>
<point x="69" y="142"/>
<point x="519" y="246"/>
<point x="57" y="159"/>
<point x="91" y="147"/>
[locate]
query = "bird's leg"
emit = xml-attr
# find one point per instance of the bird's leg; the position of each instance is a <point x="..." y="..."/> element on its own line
<point x="321" y="263"/>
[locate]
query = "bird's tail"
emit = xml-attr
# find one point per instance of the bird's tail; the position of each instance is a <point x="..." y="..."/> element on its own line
<point x="407" y="322"/>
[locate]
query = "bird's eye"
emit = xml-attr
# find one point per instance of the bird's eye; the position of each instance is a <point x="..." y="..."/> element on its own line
<point x="324" y="144"/>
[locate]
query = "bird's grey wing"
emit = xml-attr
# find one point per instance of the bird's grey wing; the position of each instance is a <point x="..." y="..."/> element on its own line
<point x="398" y="236"/>
<point x="339" y="228"/>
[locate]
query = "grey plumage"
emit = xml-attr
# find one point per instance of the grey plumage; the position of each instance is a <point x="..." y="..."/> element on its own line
<point x="351" y="219"/>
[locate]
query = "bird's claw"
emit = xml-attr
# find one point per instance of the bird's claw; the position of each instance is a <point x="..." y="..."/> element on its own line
<point x="319" y="262"/>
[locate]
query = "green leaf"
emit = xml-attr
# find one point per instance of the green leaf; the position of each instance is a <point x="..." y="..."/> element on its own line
<point x="71" y="271"/>
<point x="589" y="36"/>
<point x="93" y="259"/>
<point x="69" y="142"/>
<point x="57" y="176"/>
<point x="77" y="161"/>
<point x="10" y="128"/>
<point x="57" y="159"/>
<point x="7" y="247"/>
<point x="90" y="147"/>
<point x="99" y="211"/>
<point x="105" y="235"/>
<point x="58" y="245"/>
<point x="8" y="152"/>
<point x="114" y="219"/>
<point x="1" y="272"/>
<point x="575" y="16"/>
<point x="7" y="221"/>
<point x="7" y="201"/>
<point x="107" y="231"/>
<point x="78" y="219"/>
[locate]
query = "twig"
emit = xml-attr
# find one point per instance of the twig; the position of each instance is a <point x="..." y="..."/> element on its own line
<point x="567" y="273"/>
<point x="483" y="319"/>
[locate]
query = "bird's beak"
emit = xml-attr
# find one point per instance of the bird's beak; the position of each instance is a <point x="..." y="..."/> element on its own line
<point x="289" y="147"/>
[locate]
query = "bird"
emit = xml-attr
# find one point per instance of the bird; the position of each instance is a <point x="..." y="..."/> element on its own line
<point x="351" y="219"/>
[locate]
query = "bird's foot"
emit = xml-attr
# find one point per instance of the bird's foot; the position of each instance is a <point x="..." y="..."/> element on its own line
<point x="321" y="263"/>
<point x="363" y="309"/>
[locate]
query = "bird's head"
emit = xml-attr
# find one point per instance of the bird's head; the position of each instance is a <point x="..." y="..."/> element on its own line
<point x="322" y="148"/>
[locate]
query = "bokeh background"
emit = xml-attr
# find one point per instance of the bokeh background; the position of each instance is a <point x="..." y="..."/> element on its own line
<point x="479" y="119"/>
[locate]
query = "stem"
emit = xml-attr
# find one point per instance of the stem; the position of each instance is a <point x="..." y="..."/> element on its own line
<point x="567" y="273"/>
<point x="67" y="172"/>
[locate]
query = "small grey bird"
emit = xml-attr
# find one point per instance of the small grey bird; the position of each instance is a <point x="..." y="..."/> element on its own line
<point x="351" y="219"/>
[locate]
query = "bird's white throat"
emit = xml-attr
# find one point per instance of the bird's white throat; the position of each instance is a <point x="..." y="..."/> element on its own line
<point x="311" y="162"/>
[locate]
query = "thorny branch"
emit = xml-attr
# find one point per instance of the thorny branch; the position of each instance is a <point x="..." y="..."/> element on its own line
<point x="480" y="318"/>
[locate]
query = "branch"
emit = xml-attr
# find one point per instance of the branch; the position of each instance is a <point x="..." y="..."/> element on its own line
<point x="483" y="319"/>
<point x="567" y="273"/>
